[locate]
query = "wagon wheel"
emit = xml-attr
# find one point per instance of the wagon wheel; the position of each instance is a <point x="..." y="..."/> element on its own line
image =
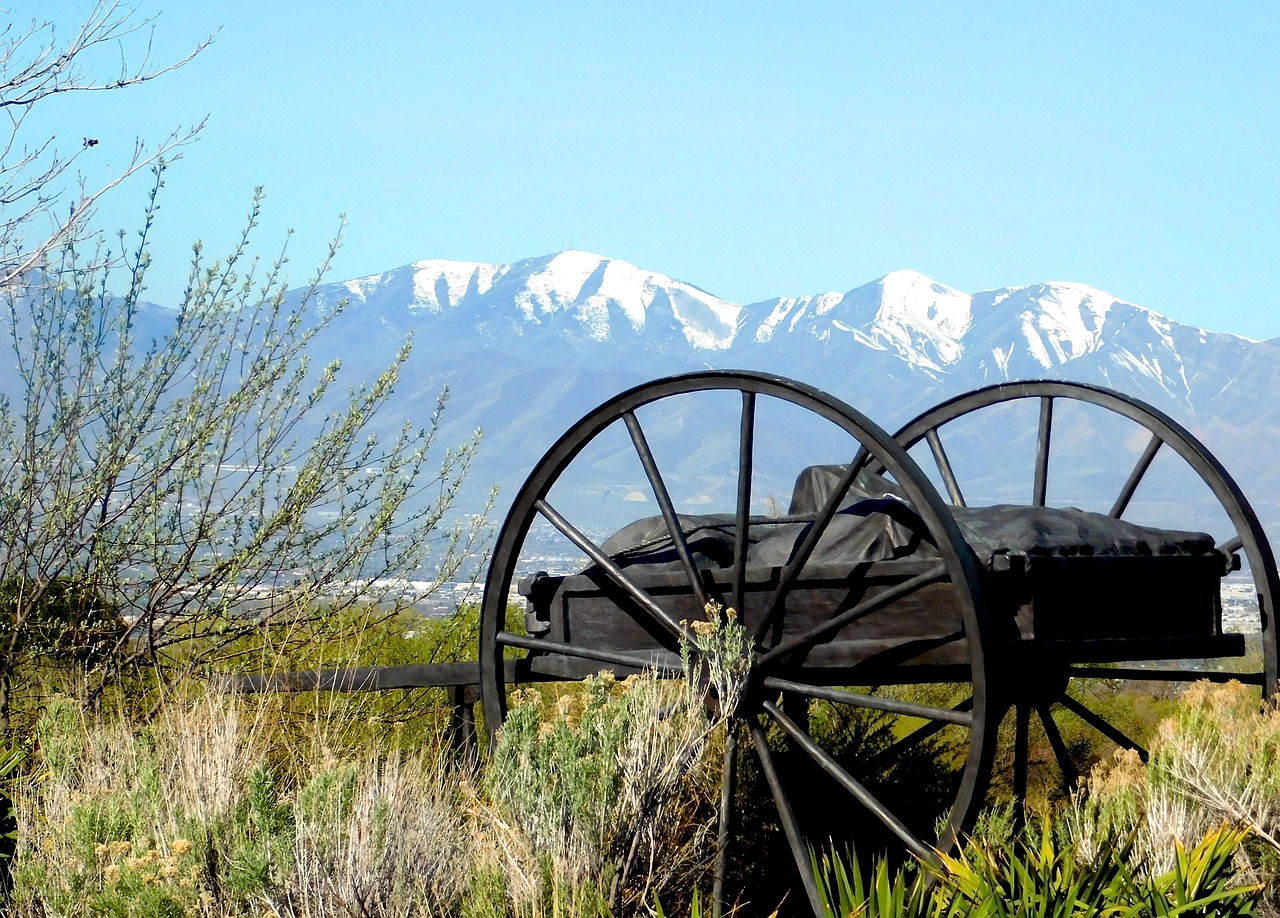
<point x="1165" y="434"/>
<point x="774" y="683"/>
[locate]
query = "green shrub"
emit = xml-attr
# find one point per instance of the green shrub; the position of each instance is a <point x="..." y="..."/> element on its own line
<point x="597" y="781"/>
<point x="599" y="797"/>
<point x="1216" y="759"/>
<point x="845" y="889"/>
<point x="193" y="814"/>
<point x="1043" y="874"/>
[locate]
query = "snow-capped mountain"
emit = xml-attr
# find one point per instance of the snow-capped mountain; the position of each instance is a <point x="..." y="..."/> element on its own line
<point x="574" y="304"/>
<point x="1051" y="329"/>
<point x="905" y="313"/>
<point x="582" y="300"/>
<point x="528" y="347"/>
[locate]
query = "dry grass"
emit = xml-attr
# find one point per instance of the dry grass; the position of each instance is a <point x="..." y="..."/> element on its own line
<point x="1216" y="761"/>
<point x="597" y="800"/>
<point x="384" y="839"/>
<point x="225" y="806"/>
<point x="197" y="815"/>
<point x="596" y="788"/>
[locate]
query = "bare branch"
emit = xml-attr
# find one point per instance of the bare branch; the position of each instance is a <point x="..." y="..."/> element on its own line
<point x="188" y="482"/>
<point x="43" y="203"/>
<point x="35" y="67"/>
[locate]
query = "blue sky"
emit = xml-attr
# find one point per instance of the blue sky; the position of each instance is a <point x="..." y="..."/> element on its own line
<point x="753" y="149"/>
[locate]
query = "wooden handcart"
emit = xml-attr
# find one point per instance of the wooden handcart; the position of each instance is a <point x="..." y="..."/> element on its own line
<point x="879" y="592"/>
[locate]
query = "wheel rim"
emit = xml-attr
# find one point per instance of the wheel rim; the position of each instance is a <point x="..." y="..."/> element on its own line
<point x="773" y="670"/>
<point x="1165" y="435"/>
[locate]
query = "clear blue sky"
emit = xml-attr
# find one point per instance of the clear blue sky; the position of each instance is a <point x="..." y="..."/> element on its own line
<point x="753" y="149"/>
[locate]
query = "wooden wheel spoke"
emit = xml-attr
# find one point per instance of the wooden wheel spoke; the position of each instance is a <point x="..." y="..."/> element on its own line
<point x="875" y="702"/>
<point x="725" y="824"/>
<point x="1058" y="745"/>
<point x="1102" y="725"/>
<point x="742" y="513"/>
<point x="862" y="460"/>
<point x="1135" y="477"/>
<point x="847" y="781"/>
<point x="944" y="467"/>
<point x="803" y="552"/>
<point x="933" y="574"/>
<point x="663" y="497"/>
<point x="615" y="573"/>
<point x="1043" y="438"/>
<point x="799" y="850"/>
<point x="664" y="662"/>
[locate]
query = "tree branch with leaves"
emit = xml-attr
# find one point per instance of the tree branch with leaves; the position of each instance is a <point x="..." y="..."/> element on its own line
<point x="44" y="203"/>
<point x="192" y="479"/>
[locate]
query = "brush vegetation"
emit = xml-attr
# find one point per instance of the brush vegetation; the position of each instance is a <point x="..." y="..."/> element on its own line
<point x="315" y="804"/>
<point x="152" y="489"/>
<point x="598" y="799"/>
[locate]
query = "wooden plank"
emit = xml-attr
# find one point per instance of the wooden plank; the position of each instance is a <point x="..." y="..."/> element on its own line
<point x="589" y="611"/>
<point x="364" y="678"/>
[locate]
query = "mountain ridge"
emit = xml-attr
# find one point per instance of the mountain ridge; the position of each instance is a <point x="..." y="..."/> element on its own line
<point x="592" y="298"/>
<point x="530" y="346"/>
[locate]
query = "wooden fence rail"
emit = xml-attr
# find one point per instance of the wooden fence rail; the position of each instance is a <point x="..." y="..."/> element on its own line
<point x="460" y="680"/>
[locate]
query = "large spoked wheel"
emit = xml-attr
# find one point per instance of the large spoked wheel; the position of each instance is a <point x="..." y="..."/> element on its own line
<point x="1047" y="685"/>
<point x="784" y="683"/>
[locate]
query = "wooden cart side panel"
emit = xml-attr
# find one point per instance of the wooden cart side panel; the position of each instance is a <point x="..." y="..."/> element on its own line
<point x="1120" y="603"/>
<point x="1103" y="598"/>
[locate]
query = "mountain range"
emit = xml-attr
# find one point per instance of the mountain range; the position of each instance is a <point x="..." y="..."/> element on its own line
<point x="587" y="309"/>
<point x="526" y="348"/>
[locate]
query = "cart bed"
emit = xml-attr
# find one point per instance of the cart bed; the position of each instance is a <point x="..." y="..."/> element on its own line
<point x="1082" y="586"/>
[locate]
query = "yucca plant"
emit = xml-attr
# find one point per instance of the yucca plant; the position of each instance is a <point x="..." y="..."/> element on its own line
<point x="1202" y="882"/>
<point x="695" y="906"/>
<point x="1042" y="876"/>
<point x="847" y="891"/>
<point x="1047" y="877"/>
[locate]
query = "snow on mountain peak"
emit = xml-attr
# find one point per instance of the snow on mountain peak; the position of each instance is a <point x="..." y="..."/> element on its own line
<point x="933" y="328"/>
<point x="909" y="314"/>
<point x="1058" y="321"/>
<point x="1064" y="321"/>
<point x="433" y="285"/>
<point x="555" y="283"/>
<point x="911" y="298"/>
<point x="904" y="312"/>
<point x="594" y="289"/>
<point x="441" y="284"/>
<point x="590" y="296"/>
